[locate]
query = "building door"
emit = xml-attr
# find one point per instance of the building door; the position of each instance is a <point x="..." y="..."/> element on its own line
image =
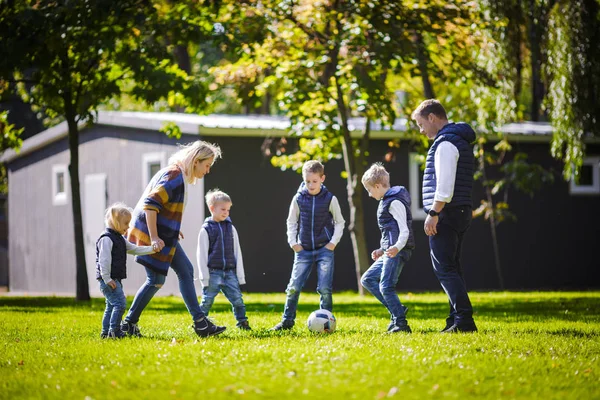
<point x="94" y="204"/>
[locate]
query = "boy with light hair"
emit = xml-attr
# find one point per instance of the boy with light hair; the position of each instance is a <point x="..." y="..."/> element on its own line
<point x="396" y="245"/>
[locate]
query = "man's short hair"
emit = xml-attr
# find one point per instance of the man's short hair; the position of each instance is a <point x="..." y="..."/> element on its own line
<point x="215" y="196"/>
<point x="313" y="167"/>
<point x="376" y="174"/>
<point x="430" y="106"/>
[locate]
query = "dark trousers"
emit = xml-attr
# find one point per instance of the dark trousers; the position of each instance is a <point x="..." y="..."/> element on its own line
<point x="446" y="247"/>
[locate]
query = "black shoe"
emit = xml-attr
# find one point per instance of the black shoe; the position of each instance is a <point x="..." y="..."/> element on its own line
<point x="116" y="334"/>
<point x="461" y="329"/>
<point x="244" y="325"/>
<point x="205" y="328"/>
<point x="392" y="324"/>
<point x="103" y="335"/>
<point x="403" y="328"/>
<point x="283" y="325"/>
<point x="130" y="329"/>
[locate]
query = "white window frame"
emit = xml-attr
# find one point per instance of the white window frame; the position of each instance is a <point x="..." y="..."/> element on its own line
<point x="151" y="158"/>
<point x="60" y="198"/>
<point x="594" y="188"/>
<point x="414" y="170"/>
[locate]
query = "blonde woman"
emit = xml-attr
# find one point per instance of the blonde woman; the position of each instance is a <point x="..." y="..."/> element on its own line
<point x="157" y="222"/>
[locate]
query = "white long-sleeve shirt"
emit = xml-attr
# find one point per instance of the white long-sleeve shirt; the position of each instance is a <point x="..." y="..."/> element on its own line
<point x="294" y="215"/>
<point x="398" y="211"/>
<point x="202" y="257"/>
<point x="105" y="246"/>
<point x="446" y="161"/>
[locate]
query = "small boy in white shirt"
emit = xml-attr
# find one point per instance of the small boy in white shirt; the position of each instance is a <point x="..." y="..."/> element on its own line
<point x="220" y="258"/>
<point x="397" y="243"/>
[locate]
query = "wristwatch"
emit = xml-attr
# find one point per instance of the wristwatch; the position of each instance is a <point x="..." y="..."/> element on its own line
<point x="433" y="213"/>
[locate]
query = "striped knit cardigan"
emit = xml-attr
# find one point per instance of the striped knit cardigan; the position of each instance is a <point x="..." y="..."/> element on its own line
<point x="165" y="195"/>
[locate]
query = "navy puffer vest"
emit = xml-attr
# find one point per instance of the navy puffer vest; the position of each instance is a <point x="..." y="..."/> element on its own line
<point x="387" y="224"/>
<point x="316" y="222"/>
<point x="118" y="267"/>
<point x="462" y="136"/>
<point x="221" y="253"/>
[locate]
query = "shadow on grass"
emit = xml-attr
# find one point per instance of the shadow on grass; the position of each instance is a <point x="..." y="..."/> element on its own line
<point x="555" y="308"/>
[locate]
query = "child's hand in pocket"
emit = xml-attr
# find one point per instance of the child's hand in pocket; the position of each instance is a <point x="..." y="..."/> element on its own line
<point x="112" y="284"/>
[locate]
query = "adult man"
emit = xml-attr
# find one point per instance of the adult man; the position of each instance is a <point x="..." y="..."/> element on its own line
<point x="447" y="187"/>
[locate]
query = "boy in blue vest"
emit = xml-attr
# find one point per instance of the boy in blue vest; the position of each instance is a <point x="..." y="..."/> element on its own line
<point x="220" y="258"/>
<point x="397" y="243"/>
<point x="314" y="227"/>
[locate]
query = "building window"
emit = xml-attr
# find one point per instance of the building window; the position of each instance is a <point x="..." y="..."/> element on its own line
<point x="415" y="183"/>
<point x="60" y="183"/>
<point x="589" y="179"/>
<point x="151" y="164"/>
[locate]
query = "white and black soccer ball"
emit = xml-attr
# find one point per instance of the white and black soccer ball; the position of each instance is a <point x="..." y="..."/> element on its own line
<point x="321" y="321"/>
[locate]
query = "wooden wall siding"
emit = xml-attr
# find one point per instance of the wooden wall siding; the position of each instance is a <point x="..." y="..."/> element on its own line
<point x="552" y="245"/>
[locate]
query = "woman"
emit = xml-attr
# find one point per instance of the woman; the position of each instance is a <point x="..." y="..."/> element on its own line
<point x="157" y="222"/>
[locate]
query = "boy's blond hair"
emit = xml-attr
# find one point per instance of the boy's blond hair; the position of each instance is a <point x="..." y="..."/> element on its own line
<point x="215" y="196"/>
<point x="189" y="153"/>
<point x="376" y="174"/>
<point x="313" y="167"/>
<point x="114" y="216"/>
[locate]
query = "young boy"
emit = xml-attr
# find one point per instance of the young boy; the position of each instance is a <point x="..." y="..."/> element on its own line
<point x="314" y="227"/>
<point x="220" y="258"/>
<point x="397" y="243"/>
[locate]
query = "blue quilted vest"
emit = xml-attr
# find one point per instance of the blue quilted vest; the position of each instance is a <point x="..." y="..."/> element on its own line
<point x="387" y="224"/>
<point x="220" y="244"/>
<point x="462" y="136"/>
<point x="118" y="267"/>
<point x="316" y="222"/>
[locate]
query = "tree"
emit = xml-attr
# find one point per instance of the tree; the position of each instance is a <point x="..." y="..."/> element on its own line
<point x="80" y="54"/>
<point x="329" y="61"/>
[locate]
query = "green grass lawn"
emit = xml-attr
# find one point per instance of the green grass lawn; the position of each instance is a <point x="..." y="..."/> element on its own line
<point x="530" y="345"/>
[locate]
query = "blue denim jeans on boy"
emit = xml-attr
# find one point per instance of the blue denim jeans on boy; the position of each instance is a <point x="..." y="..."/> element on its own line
<point x="381" y="279"/>
<point x="154" y="281"/>
<point x="303" y="262"/>
<point x="115" y="306"/>
<point x="227" y="282"/>
<point x="446" y="248"/>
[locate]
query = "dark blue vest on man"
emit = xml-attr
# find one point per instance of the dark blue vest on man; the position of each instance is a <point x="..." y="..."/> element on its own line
<point x="220" y="244"/>
<point x="118" y="269"/>
<point x="460" y="135"/>
<point x="316" y="222"/>
<point x="387" y="224"/>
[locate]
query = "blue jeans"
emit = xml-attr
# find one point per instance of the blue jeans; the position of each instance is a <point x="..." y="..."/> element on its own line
<point x="303" y="262"/>
<point x="154" y="281"/>
<point x="226" y="281"/>
<point x="446" y="248"/>
<point x="381" y="279"/>
<point x="115" y="306"/>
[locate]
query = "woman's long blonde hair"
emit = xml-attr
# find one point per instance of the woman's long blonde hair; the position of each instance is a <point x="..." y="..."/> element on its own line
<point x="189" y="153"/>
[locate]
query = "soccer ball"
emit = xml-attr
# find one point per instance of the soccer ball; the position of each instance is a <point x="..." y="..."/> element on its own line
<point x="321" y="321"/>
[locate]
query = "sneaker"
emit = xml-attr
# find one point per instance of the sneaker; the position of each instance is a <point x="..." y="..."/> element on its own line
<point x="116" y="334"/>
<point x="130" y="329"/>
<point x="205" y="328"/>
<point x="461" y="328"/>
<point x="392" y="324"/>
<point x="403" y="328"/>
<point x="103" y="335"/>
<point x="283" y="325"/>
<point x="244" y="325"/>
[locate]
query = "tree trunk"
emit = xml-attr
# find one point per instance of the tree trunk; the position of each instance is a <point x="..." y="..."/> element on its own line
<point x="423" y="58"/>
<point x="354" y="170"/>
<point x="488" y="193"/>
<point x="83" y="290"/>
